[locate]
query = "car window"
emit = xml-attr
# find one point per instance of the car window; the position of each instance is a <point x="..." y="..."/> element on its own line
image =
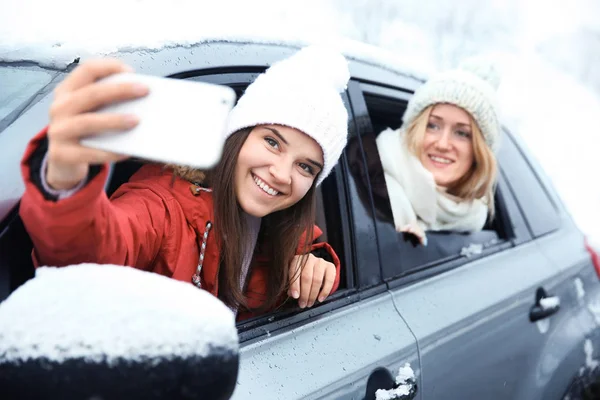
<point x="401" y="254"/>
<point x="19" y="85"/>
<point x="331" y="218"/>
<point x="540" y="212"/>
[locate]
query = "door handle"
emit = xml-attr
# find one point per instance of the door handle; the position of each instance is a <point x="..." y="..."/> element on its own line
<point x="544" y="305"/>
<point x="381" y="379"/>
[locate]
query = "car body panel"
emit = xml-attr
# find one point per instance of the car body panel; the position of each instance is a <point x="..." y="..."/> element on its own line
<point x="472" y="325"/>
<point x="330" y="357"/>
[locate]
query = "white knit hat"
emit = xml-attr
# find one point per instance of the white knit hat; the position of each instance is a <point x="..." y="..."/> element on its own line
<point x="302" y="92"/>
<point x="471" y="87"/>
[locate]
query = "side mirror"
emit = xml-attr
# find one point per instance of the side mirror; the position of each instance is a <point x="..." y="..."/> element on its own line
<point x="112" y="332"/>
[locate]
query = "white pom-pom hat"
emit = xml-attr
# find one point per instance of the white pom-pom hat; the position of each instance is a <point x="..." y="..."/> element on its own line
<point x="302" y="92"/>
<point x="471" y="87"/>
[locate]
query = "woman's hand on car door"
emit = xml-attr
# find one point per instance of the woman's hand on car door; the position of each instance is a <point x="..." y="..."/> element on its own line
<point x="73" y="116"/>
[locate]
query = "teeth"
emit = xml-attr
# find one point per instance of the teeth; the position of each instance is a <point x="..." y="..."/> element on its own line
<point x="440" y="160"/>
<point x="265" y="187"/>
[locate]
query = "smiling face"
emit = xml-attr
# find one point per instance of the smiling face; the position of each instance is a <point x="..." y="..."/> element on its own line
<point x="276" y="167"/>
<point x="447" y="148"/>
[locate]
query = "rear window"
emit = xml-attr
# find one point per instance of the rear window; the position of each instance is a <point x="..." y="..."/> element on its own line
<point x="540" y="212"/>
<point x="19" y="85"/>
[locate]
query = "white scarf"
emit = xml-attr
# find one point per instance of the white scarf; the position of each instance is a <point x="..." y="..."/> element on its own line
<point x="415" y="197"/>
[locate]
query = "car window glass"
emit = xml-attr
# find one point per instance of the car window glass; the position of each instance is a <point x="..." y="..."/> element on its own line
<point x="19" y="85"/>
<point x="538" y="209"/>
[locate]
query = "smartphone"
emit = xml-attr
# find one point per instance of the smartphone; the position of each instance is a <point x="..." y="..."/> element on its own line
<point x="181" y="122"/>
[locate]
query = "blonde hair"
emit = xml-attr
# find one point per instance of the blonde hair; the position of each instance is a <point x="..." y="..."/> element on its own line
<point x="480" y="181"/>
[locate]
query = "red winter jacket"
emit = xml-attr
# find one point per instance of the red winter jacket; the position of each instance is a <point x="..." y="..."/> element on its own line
<point x="151" y="223"/>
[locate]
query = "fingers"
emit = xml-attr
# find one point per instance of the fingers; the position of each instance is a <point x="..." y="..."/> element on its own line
<point x="317" y="281"/>
<point x="73" y="154"/>
<point x="90" y="72"/>
<point x="95" y="96"/>
<point x="71" y="118"/>
<point x="294" y="273"/>
<point x="416" y="231"/>
<point x="306" y="281"/>
<point x="408" y="229"/>
<point x="314" y="281"/>
<point x="328" y="281"/>
<point x="72" y="129"/>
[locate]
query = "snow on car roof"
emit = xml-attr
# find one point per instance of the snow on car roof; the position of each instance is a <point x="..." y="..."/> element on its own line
<point x="61" y="31"/>
<point x="59" y="57"/>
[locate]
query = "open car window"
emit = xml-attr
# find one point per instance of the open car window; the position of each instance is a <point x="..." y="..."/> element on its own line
<point x="383" y="109"/>
<point x="329" y="216"/>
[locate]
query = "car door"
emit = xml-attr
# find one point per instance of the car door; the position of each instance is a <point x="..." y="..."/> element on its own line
<point x="466" y="297"/>
<point x="352" y="345"/>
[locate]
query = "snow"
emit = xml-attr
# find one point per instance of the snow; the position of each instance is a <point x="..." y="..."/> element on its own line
<point x="579" y="288"/>
<point x="391" y="394"/>
<point x="543" y="325"/>
<point x="404" y="380"/>
<point x="594" y="309"/>
<point x="472" y="250"/>
<point x="588" y="349"/>
<point x="47" y="38"/>
<point x="105" y="312"/>
<point x="549" y="302"/>
<point x="405" y="373"/>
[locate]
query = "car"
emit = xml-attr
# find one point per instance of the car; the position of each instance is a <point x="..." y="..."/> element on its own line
<point x="511" y="312"/>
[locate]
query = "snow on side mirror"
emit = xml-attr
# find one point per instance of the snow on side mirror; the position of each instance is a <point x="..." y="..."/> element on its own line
<point x="111" y="332"/>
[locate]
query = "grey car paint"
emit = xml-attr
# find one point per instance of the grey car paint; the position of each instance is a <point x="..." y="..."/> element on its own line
<point x="472" y="326"/>
<point x="328" y="358"/>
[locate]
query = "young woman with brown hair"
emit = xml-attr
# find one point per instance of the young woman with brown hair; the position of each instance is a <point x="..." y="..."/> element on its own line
<point x="243" y="230"/>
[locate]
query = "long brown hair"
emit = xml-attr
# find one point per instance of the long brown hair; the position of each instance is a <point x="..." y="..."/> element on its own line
<point x="480" y="181"/>
<point x="279" y="238"/>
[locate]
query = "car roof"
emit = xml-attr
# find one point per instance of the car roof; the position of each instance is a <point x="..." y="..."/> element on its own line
<point x="366" y="62"/>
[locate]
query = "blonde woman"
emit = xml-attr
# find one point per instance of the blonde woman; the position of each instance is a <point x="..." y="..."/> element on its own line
<point x="439" y="167"/>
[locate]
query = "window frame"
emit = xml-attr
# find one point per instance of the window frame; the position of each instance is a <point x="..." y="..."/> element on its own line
<point x="55" y="76"/>
<point x="336" y="183"/>
<point x="510" y="213"/>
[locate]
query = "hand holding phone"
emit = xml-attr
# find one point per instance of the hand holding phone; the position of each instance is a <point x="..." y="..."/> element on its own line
<point x="180" y="122"/>
<point x="103" y="97"/>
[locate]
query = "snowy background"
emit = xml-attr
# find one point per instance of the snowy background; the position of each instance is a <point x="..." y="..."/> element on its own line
<point x="550" y="52"/>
